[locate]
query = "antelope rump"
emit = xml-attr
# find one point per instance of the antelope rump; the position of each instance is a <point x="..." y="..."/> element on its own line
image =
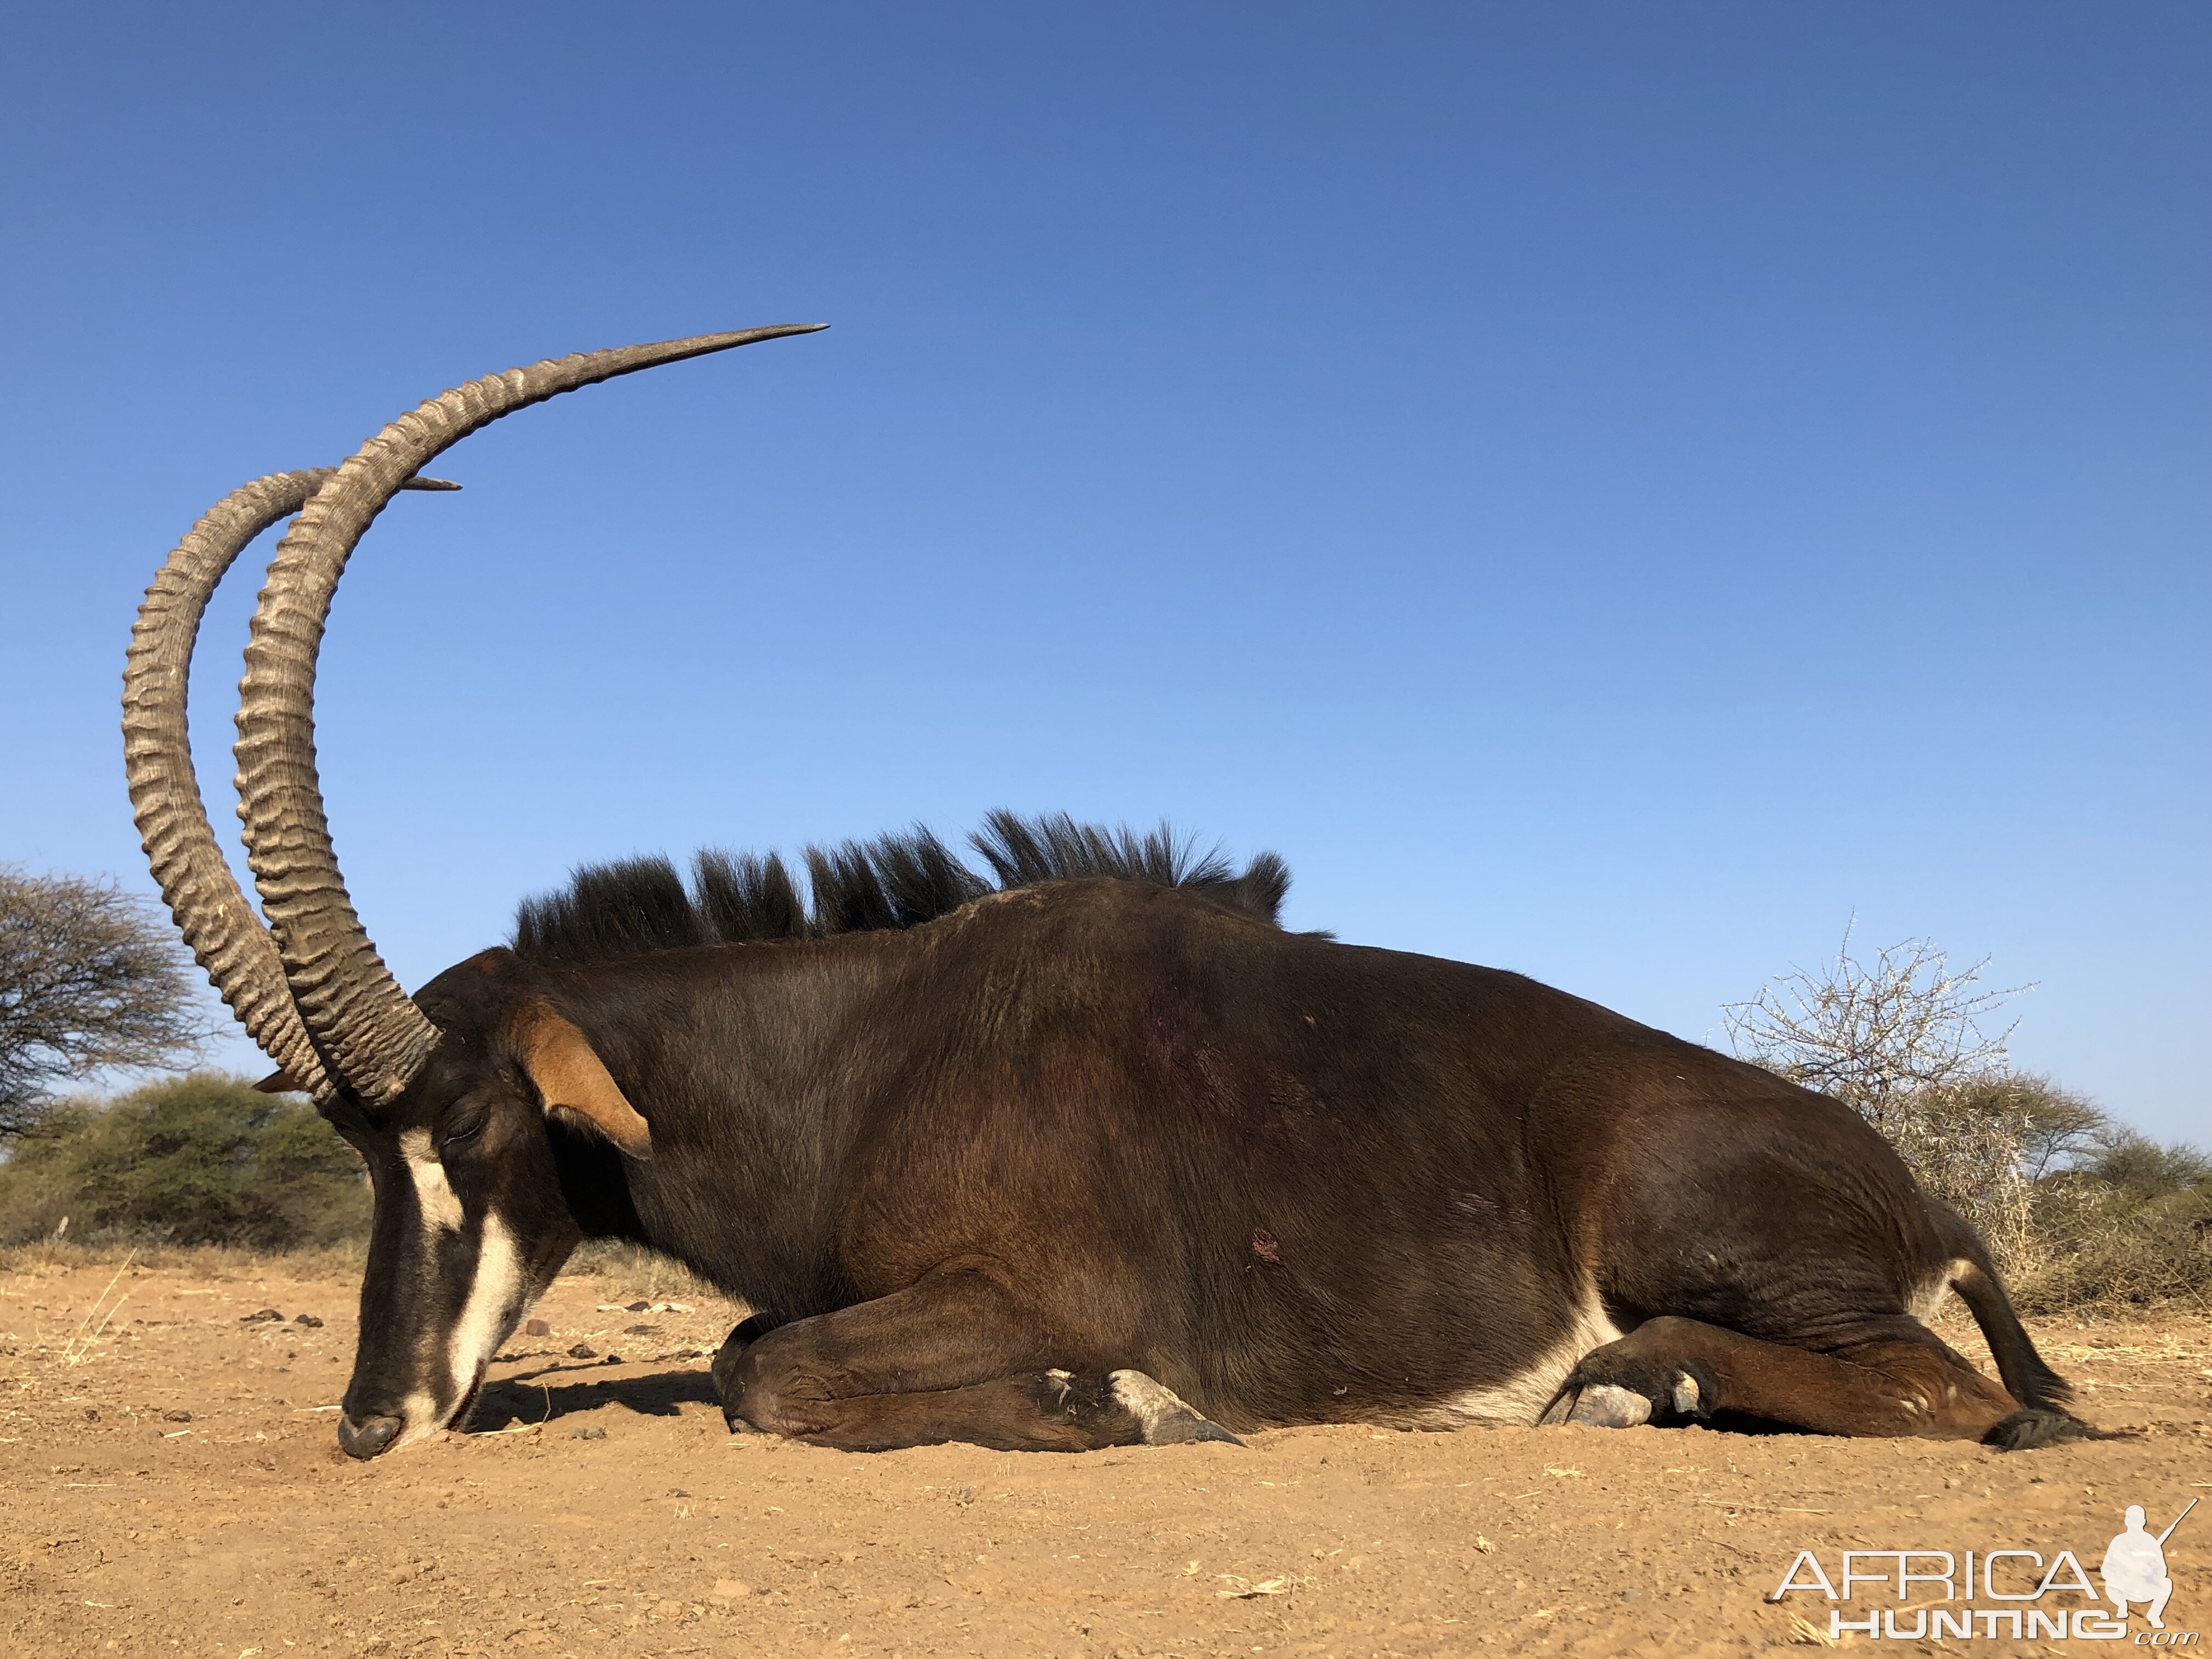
<point x="1081" y="1150"/>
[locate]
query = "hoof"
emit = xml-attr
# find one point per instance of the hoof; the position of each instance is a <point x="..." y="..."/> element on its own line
<point x="724" y="1371"/>
<point x="1606" y="1405"/>
<point x="1597" y="1406"/>
<point x="1188" y="1429"/>
<point x="1162" y="1416"/>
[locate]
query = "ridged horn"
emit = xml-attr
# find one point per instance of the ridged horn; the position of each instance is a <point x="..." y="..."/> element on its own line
<point x="226" y="937"/>
<point x="367" y="1029"/>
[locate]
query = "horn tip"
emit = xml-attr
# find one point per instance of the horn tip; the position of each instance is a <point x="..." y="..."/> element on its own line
<point x="428" y="483"/>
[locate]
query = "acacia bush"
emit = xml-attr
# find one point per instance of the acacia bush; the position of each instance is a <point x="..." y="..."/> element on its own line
<point x="2078" y="1210"/>
<point x="90" y="978"/>
<point x="203" y="1159"/>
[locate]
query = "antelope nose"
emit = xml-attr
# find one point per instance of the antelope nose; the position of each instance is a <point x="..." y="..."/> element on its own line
<point x="367" y="1437"/>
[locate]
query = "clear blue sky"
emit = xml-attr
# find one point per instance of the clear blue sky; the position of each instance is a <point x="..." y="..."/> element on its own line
<point x="1607" y="491"/>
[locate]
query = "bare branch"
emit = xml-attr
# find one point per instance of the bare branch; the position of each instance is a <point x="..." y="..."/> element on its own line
<point x="91" y="978"/>
<point x="1872" y="1034"/>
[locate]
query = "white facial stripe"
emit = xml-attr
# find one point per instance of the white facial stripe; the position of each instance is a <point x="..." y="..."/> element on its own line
<point x="495" y="1295"/>
<point x="441" y="1207"/>
<point x="494" y="1300"/>
<point x="420" y="1414"/>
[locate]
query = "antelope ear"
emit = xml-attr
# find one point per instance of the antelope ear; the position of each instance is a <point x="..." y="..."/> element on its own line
<point x="571" y="1078"/>
<point x="279" y="1082"/>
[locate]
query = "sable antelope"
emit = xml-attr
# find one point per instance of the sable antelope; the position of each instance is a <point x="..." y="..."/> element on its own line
<point x="1088" y="1153"/>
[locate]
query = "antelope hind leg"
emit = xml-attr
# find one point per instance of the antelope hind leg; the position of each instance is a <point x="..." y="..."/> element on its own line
<point x="1892" y="1382"/>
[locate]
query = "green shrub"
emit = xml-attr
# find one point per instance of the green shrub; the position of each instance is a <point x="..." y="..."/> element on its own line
<point x="203" y="1159"/>
<point x="2127" y="1224"/>
<point x="2138" y="1166"/>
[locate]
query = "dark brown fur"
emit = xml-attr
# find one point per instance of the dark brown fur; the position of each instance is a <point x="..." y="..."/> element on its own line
<point x="972" y="1167"/>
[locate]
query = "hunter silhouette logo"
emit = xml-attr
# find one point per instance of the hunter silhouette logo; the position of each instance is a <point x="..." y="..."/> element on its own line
<point x="2134" y="1567"/>
<point x="2028" y="1593"/>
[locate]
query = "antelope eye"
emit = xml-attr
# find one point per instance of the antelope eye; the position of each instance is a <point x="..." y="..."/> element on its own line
<point x="466" y="1125"/>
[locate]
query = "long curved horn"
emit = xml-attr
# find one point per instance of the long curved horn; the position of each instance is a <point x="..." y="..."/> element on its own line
<point x="226" y="937"/>
<point x="368" y="1031"/>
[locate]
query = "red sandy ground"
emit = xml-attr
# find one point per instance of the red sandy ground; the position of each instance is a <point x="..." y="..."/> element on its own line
<point x="243" y="1533"/>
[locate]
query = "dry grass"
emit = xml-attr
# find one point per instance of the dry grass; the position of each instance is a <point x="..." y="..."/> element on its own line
<point x="2094" y="1249"/>
<point x="626" y="1271"/>
<point x="631" y="1267"/>
<point x="212" y="1261"/>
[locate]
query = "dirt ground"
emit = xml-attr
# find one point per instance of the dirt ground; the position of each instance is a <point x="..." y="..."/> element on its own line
<point x="170" y="1483"/>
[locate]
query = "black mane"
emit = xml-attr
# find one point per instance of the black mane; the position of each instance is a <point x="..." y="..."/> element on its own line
<point x="634" y="906"/>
